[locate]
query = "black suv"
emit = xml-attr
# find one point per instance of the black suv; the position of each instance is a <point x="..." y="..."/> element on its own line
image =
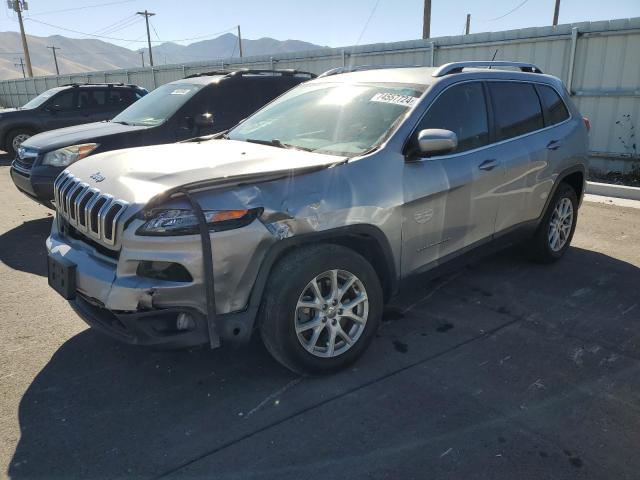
<point x="62" y="106"/>
<point x="198" y="105"/>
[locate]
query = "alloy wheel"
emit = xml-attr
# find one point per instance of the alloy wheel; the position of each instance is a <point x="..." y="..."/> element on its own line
<point x="18" y="139"/>
<point x="331" y="313"/>
<point x="560" y="224"/>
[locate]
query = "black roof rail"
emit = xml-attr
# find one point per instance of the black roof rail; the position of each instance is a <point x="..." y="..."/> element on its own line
<point x="359" y="68"/>
<point x="252" y="71"/>
<point x="456" y="67"/>
<point x="108" y="84"/>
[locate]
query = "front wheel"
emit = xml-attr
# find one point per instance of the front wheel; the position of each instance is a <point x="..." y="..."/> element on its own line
<point x="553" y="237"/>
<point x="321" y="310"/>
<point x="15" y="139"/>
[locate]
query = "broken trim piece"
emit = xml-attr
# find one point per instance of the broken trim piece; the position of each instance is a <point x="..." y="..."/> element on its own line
<point x="207" y="265"/>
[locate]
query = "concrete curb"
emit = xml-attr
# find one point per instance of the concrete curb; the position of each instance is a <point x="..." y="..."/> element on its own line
<point x="616" y="191"/>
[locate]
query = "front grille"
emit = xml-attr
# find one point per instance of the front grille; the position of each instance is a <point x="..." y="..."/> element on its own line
<point x="25" y="157"/>
<point x="90" y="212"/>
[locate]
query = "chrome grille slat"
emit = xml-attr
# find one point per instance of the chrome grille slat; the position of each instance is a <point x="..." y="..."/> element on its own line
<point x="81" y="211"/>
<point x="86" y="209"/>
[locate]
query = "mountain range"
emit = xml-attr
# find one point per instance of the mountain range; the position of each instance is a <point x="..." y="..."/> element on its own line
<point x="84" y="55"/>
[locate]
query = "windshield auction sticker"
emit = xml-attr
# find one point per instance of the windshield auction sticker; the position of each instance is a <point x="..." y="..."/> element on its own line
<point x="181" y="91"/>
<point x="404" y="100"/>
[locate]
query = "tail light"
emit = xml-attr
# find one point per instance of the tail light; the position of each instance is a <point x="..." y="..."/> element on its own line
<point x="587" y="123"/>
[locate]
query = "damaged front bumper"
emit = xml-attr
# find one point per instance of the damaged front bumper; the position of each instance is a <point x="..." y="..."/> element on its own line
<point x="111" y="296"/>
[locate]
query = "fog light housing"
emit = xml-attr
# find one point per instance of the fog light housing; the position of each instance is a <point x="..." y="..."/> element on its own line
<point x="169" y="271"/>
<point x="185" y="321"/>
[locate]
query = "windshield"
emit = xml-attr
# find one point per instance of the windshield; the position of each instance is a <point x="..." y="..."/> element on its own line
<point x="40" y="99"/>
<point x="333" y="118"/>
<point x="156" y="107"/>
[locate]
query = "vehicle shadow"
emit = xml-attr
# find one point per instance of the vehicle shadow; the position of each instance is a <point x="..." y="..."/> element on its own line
<point x="23" y="247"/>
<point x="102" y="409"/>
<point x="5" y="159"/>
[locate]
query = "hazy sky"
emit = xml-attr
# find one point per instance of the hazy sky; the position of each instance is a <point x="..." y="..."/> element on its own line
<point x="325" y="22"/>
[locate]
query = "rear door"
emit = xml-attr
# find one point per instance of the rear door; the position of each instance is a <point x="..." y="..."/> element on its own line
<point x="450" y="200"/>
<point x="521" y="148"/>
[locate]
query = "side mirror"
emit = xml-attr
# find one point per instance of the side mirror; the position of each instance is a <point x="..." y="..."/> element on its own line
<point x="436" y="140"/>
<point x="204" y="120"/>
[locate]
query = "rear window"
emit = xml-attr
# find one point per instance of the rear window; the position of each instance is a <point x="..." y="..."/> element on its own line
<point x="516" y="109"/>
<point x="555" y="109"/>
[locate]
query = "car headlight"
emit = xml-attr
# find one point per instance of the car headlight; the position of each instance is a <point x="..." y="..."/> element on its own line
<point x="64" y="157"/>
<point x="184" y="222"/>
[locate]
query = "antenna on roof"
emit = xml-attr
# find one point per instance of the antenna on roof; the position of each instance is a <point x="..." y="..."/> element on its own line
<point x="494" y="57"/>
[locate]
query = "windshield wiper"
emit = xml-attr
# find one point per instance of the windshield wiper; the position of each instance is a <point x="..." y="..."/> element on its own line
<point x="277" y="143"/>
<point x="121" y="122"/>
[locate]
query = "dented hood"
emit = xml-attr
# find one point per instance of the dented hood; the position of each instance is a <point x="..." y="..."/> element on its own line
<point x="138" y="174"/>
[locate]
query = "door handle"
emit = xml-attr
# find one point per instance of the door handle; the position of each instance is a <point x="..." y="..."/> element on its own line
<point x="554" y="145"/>
<point x="488" y="165"/>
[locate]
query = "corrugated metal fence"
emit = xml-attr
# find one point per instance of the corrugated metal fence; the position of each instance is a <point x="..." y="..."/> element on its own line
<point x="598" y="61"/>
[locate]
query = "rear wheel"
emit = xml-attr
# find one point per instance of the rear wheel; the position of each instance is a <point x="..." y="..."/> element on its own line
<point x="553" y="237"/>
<point x="15" y="139"/>
<point x="321" y="310"/>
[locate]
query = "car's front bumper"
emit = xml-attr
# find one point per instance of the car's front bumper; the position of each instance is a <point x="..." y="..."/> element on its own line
<point x="35" y="183"/>
<point x="113" y="298"/>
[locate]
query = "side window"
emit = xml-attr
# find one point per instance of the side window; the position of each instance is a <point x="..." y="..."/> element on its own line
<point x="555" y="109"/>
<point x="64" y="100"/>
<point x="463" y="110"/>
<point x="99" y="98"/>
<point x="516" y="109"/>
<point x="231" y="101"/>
<point x="119" y="98"/>
<point x="85" y="99"/>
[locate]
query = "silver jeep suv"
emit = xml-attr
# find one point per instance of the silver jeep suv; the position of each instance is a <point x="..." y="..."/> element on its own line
<point x="302" y="221"/>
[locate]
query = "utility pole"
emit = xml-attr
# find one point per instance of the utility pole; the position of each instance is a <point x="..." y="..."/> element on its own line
<point x="146" y="16"/>
<point x="55" y="58"/>
<point x="468" y="27"/>
<point x="426" y="20"/>
<point x="18" y="6"/>
<point x="142" y="55"/>
<point x="21" y="65"/>
<point x="556" y="13"/>
<point x="240" y="41"/>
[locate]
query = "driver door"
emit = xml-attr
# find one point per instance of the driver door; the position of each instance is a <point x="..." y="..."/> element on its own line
<point x="450" y="199"/>
<point x="60" y="110"/>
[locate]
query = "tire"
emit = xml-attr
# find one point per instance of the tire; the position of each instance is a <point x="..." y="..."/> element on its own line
<point x="542" y="248"/>
<point x="284" y="325"/>
<point x="17" y="136"/>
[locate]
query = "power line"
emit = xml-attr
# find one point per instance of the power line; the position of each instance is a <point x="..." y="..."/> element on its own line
<point x="508" y="13"/>
<point x="80" y="8"/>
<point x="129" y="39"/>
<point x="132" y="20"/>
<point x="366" y="24"/>
<point x="82" y="33"/>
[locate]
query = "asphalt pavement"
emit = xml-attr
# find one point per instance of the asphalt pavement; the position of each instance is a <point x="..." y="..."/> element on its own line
<point x="503" y="369"/>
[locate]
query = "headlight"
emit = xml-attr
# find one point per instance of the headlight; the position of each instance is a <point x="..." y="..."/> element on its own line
<point x="184" y="222"/>
<point x="64" y="157"/>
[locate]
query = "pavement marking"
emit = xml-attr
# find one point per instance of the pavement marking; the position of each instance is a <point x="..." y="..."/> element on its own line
<point x="273" y="395"/>
<point x="446" y="452"/>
